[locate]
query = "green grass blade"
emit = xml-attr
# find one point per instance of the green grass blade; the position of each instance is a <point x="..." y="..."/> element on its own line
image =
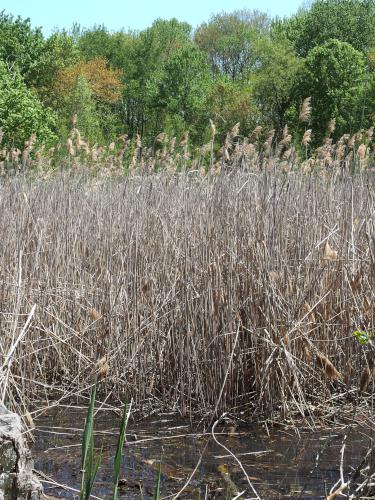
<point x="94" y="472"/>
<point x="89" y="468"/>
<point x="157" y="489"/>
<point x="119" y="450"/>
<point x="86" y="440"/>
<point x="89" y="425"/>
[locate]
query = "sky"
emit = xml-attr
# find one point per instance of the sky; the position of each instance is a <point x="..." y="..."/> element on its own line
<point x="135" y="14"/>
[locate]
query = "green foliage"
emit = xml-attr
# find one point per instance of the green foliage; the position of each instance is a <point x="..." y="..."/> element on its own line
<point x="229" y="102"/>
<point x="59" y="52"/>
<point x="228" y="40"/>
<point x="21" y="46"/>
<point x="363" y="336"/>
<point x="82" y="104"/>
<point x="98" y="42"/>
<point x="146" y="54"/>
<point x="237" y="67"/>
<point x="119" y="450"/>
<point x="21" y="113"/>
<point x="275" y="78"/>
<point x="158" y="480"/>
<point x="351" y="21"/>
<point x="180" y="88"/>
<point x="334" y="77"/>
<point x="89" y="468"/>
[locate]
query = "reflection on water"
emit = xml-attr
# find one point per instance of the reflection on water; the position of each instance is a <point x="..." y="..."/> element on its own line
<point x="280" y="464"/>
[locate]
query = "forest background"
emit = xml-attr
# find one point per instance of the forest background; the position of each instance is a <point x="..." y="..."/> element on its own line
<point x="171" y="78"/>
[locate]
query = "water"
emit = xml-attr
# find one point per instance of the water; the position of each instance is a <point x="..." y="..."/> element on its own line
<point x="280" y="464"/>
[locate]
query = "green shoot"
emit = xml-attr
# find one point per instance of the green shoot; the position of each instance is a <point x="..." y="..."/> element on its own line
<point x="87" y="443"/>
<point x="119" y="450"/>
<point x="362" y="336"/>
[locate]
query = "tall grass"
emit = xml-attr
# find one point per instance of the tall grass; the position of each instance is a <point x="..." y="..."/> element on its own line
<point x="176" y="289"/>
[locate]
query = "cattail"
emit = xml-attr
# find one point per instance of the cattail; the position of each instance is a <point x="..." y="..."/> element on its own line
<point x="162" y="137"/>
<point x="274" y="275"/>
<point x="14" y="155"/>
<point x="351" y="141"/>
<point x="30" y="143"/>
<point x="26" y="156"/>
<point x="94" y="314"/>
<point x="285" y="131"/>
<point x="331" y="126"/>
<point x="69" y="146"/>
<point x="340" y="151"/>
<point x="325" y="364"/>
<point x="268" y="144"/>
<point x="78" y="141"/>
<point x="102" y="367"/>
<point x="123" y="138"/>
<point x="360" y="135"/>
<point x="256" y="133"/>
<point x="305" y="113"/>
<point x="369" y="134"/>
<point x="309" y="311"/>
<point x="329" y="253"/>
<point x="94" y="153"/>
<point x="213" y="128"/>
<point x="347" y="373"/>
<point x="184" y="139"/>
<point x="361" y="151"/>
<point x="206" y="148"/>
<point x="73" y="132"/>
<point x="365" y="379"/>
<point x="306" y="352"/>
<point x="29" y="420"/>
<point x="249" y="150"/>
<point x="85" y="147"/>
<point x="271" y="135"/>
<point x="287" y="140"/>
<point x="307" y="137"/>
<point x="235" y="130"/>
<point x="146" y="286"/>
<point x="172" y="144"/>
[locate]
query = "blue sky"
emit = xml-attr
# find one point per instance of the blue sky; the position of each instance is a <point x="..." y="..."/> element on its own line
<point x="136" y="14"/>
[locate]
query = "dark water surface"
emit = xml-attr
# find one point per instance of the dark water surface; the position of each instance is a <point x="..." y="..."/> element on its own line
<point x="280" y="463"/>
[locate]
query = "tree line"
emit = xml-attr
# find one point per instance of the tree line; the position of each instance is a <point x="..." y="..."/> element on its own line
<point x="241" y="66"/>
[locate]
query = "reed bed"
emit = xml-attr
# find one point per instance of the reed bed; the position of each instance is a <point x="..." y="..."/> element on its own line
<point x="239" y="292"/>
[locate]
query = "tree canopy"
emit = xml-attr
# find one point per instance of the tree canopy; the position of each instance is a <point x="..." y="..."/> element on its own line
<point x="240" y="66"/>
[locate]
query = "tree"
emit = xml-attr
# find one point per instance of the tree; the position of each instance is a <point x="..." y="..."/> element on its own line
<point x="148" y="52"/>
<point x="229" y="102"/>
<point x="181" y="88"/>
<point x="81" y="104"/>
<point x="274" y="79"/>
<point x="351" y="21"/>
<point x="21" y="113"/>
<point x="228" y="39"/>
<point x="104" y="82"/>
<point x="98" y="42"/>
<point x="60" y="52"/>
<point x="334" y="77"/>
<point x="21" y="46"/>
